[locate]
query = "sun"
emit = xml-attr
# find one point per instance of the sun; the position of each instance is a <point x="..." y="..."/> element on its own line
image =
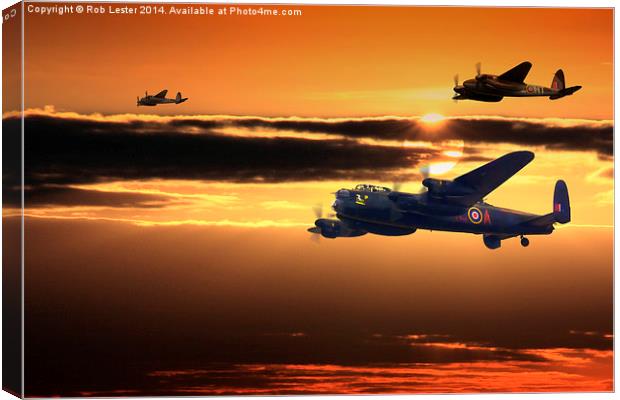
<point x="432" y="118"/>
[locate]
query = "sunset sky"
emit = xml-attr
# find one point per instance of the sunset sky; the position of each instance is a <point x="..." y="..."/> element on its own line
<point x="172" y="240"/>
<point x="331" y="61"/>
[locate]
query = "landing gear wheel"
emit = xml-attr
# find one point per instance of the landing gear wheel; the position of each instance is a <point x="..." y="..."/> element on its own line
<point x="525" y="241"/>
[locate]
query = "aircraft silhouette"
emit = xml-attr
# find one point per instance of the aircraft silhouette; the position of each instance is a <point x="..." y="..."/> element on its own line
<point x="159" y="98"/>
<point x="493" y="88"/>
<point x="456" y="206"/>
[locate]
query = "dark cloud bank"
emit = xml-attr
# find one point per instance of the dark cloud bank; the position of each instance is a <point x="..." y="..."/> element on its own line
<point x="61" y="150"/>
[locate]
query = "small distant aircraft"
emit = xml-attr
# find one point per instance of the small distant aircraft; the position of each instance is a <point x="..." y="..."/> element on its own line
<point x="493" y="88"/>
<point x="159" y="98"/>
<point x="456" y="206"/>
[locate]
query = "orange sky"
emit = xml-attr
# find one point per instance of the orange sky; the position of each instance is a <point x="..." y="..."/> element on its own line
<point x="181" y="297"/>
<point x="168" y="264"/>
<point x="332" y="60"/>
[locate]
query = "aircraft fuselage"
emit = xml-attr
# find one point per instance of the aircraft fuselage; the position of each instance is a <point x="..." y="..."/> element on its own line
<point x="375" y="212"/>
<point x="153" y="101"/>
<point x="159" y="98"/>
<point x="447" y="205"/>
<point x="493" y="88"/>
<point x="490" y="85"/>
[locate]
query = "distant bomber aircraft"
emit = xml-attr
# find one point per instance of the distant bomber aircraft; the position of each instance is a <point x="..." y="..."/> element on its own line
<point x="456" y="206"/>
<point x="492" y="88"/>
<point x="159" y="98"/>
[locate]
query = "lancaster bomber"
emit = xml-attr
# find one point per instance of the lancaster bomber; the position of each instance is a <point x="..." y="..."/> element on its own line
<point x="493" y="88"/>
<point x="159" y="98"/>
<point x="456" y="206"/>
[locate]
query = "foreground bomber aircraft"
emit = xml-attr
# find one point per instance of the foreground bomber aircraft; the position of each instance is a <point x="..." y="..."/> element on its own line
<point x="492" y="88"/>
<point x="159" y="98"/>
<point x="456" y="206"/>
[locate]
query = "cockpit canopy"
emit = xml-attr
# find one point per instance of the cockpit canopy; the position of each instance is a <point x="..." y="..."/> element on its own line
<point x="363" y="187"/>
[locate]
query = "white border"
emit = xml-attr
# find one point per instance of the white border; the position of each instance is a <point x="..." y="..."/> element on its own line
<point x="493" y="3"/>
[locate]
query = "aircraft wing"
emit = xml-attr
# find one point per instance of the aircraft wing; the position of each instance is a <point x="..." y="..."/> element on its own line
<point x="518" y="73"/>
<point x="162" y="94"/>
<point x="483" y="180"/>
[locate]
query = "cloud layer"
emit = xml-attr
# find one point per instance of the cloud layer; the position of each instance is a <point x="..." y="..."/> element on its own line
<point x="183" y="309"/>
<point x="67" y="148"/>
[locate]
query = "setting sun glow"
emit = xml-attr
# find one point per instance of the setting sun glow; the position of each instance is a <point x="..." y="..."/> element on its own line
<point x="432" y="118"/>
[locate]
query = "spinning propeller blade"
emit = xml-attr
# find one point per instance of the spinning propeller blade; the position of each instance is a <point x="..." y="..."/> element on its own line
<point x="315" y="230"/>
<point x="456" y="84"/>
<point x="318" y="210"/>
<point x="425" y="171"/>
<point x="479" y="78"/>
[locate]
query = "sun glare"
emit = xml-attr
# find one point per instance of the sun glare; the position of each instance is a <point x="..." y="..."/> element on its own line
<point x="441" y="168"/>
<point x="432" y="118"/>
<point x="453" y="153"/>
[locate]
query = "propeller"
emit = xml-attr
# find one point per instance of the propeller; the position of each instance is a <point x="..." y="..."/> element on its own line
<point x="318" y="210"/>
<point x="315" y="230"/>
<point x="318" y="213"/>
<point x="456" y="84"/>
<point x="425" y="171"/>
<point x="137" y="101"/>
<point x="479" y="77"/>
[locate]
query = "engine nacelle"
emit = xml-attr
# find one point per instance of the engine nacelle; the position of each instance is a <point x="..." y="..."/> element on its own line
<point x="333" y="228"/>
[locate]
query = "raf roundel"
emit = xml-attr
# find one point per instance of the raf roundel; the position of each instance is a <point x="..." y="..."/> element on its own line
<point x="475" y="215"/>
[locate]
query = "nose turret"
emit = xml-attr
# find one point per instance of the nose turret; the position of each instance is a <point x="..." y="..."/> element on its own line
<point x="336" y="205"/>
<point x="341" y="196"/>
